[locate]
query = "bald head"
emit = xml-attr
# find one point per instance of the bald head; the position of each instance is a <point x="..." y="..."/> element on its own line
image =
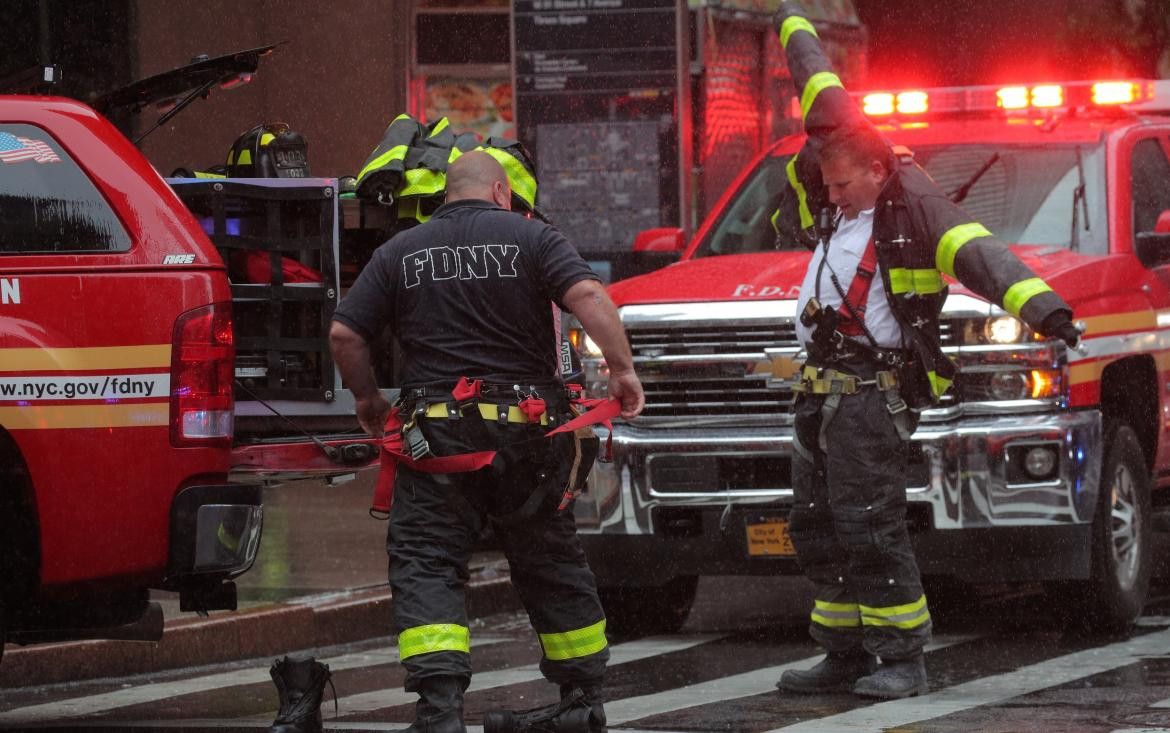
<point x="477" y="175"/>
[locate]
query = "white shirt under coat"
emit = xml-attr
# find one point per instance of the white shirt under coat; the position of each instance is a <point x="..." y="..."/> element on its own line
<point x="846" y="248"/>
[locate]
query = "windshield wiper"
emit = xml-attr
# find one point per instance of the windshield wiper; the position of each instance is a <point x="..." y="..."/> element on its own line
<point x="1079" y="197"/>
<point x="961" y="192"/>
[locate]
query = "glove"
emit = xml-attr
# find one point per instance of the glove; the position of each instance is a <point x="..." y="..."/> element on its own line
<point x="784" y="12"/>
<point x="1059" y="325"/>
<point x="1069" y="334"/>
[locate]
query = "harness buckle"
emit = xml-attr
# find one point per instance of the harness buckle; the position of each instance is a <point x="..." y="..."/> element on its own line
<point x="886" y="380"/>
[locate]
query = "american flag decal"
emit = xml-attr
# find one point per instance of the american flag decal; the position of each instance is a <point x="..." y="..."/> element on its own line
<point x="15" y="149"/>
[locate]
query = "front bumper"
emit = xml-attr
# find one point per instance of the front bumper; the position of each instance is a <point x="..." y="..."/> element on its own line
<point x="678" y="498"/>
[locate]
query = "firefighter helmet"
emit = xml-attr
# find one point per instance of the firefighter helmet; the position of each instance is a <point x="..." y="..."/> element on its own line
<point x="270" y="150"/>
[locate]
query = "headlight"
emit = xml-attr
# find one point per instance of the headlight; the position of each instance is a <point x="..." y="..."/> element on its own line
<point x="584" y="345"/>
<point x="1013" y="384"/>
<point x="1003" y="330"/>
<point x="596" y="372"/>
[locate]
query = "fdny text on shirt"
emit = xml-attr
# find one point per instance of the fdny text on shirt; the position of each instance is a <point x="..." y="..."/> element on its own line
<point x="465" y="263"/>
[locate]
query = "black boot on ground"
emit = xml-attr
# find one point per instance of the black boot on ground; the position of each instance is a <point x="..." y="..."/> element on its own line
<point x="837" y="672"/>
<point x="440" y="706"/>
<point x="575" y="713"/>
<point x="300" y="683"/>
<point x="895" y="678"/>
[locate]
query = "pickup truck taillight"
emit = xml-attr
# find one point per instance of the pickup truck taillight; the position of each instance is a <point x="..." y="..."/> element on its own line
<point x="203" y="354"/>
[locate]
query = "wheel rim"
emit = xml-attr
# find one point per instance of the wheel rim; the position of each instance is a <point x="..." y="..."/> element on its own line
<point x="1125" y="524"/>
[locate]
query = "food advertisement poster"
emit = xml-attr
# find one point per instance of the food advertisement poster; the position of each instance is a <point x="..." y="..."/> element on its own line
<point x="482" y="105"/>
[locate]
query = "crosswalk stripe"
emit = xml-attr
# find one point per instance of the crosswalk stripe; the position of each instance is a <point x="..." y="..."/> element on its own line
<point x="988" y="690"/>
<point x="102" y="702"/>
<point x="188" y="723"/>
<point x="756" y="682"/>
<point x="630" y="651"/>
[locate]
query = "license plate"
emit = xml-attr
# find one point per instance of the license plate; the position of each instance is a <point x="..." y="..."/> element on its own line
<point x="769" y="539"/>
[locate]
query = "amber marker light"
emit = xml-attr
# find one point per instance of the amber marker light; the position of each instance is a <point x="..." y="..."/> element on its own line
<point x="1044" y="384"/>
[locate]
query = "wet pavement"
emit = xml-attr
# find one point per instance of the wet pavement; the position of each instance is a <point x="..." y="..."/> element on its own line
<point x="996" y="667"/>
<point x="318" y="538"/>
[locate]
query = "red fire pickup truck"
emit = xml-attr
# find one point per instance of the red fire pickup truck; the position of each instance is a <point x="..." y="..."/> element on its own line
<point x="116" y="402"/>
<point x="1042" y="467"/>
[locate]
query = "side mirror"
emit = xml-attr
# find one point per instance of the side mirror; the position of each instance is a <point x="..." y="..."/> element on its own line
<point x="664" y="239"/>
<point x="1153" y="248"/>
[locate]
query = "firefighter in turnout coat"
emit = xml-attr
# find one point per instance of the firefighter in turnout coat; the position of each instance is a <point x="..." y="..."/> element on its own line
<point x="884" y="235"/>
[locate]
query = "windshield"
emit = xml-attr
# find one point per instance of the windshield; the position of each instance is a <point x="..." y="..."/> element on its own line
<point x="1027" y="195"/>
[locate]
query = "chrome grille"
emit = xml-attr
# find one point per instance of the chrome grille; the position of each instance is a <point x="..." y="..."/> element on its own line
<point x="691" y="369"/>
<point x="724" y="371"/>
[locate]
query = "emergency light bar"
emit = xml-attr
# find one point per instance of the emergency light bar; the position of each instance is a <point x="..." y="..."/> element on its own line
<point x="1140" y="95"/>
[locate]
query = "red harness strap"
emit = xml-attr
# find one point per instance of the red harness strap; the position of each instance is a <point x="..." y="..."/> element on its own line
<point x="858" y="295"/>
<point x="598" y="411"/>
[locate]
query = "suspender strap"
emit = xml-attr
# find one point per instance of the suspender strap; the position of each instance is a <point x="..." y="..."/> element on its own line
<point x="858" y="295"/>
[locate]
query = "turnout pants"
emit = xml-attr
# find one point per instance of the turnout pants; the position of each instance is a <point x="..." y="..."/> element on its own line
<point x="434" y="522"/>
<point x="848" y="523"/>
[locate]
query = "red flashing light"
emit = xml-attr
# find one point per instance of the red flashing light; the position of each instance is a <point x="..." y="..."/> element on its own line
<point x="1012" y="97"/>
<point x="878" y="103"/>
<point x="1048" y="96"/>
<point x="913" y="103"/>
<point x="1114" y="92"/>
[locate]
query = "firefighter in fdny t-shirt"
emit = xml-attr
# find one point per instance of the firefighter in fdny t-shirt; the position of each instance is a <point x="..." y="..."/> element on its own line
<point x="469" y="295"/>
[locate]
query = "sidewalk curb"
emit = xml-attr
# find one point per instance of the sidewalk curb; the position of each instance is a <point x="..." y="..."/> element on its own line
<point x="316" y="621"/>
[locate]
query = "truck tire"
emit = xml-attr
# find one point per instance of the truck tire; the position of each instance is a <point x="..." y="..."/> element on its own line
<point x="1113" y="597"/>
<point x="645" y="610"/>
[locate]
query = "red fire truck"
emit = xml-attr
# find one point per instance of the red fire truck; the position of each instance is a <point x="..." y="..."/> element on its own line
<point x="1042" y="467"/>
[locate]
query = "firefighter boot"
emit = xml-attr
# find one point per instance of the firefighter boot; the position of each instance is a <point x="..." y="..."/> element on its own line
<point x="896" y="678"/>
<point x="837" y="672"/>
<point x="594" y="697"/>
<point x="440" y="705"/>
<point x="573" y="714"/>
<point x="300" y="683"/>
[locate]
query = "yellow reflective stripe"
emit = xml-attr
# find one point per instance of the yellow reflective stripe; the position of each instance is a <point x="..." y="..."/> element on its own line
<point x="423" y="182"/>
<point x="939" y="385"/>
<point x="905" y="616"/>
<point x="439" y="128"/>
<point x="576" y="643"/>
<point x="925" y="281"/>
<point x="455" y="154"/>
<point x="433" y="638"/>
<point x="266" y="138"/>
<point x="949" y="243"/>
<point x="1023" y="291"/>
<point x="792" y="25"/>
<point x="819" y="617"/>
<point x="398" y="152"/>
<point x="522" y="182"/>
<point x="231" y="156"/>
<point x="806" y="217"/>
<point x="830" y="606"/>
<point x="827" y="613"/>
<point x="204" y="174"/>
<point x="402" y="116"/>
<point x="817" y="84"/>
<point x="245" y="158"/>
<point x="775" y="218"/>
